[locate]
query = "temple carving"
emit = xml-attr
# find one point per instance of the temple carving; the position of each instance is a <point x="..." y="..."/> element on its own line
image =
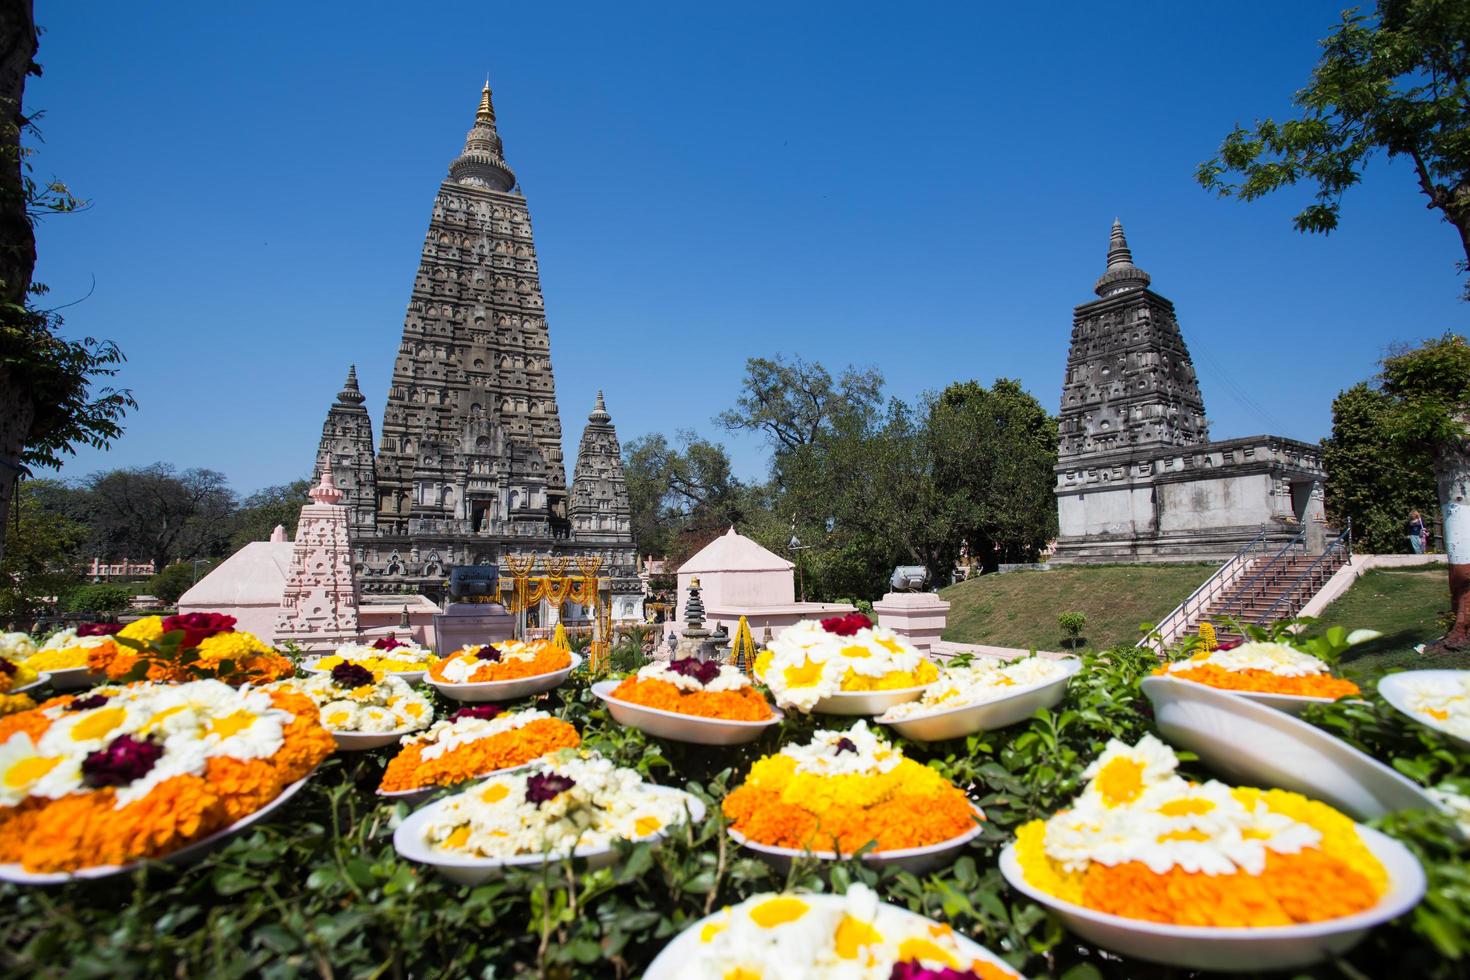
<point x="469" y="464"/>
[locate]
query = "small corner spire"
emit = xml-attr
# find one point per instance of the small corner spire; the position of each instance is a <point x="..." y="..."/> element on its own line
<point x="599" y="411"/>
<point x="350" y="393"/>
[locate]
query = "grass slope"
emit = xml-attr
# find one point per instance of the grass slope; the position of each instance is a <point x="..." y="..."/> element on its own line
<point x="1019" y="609"/>
<point x="1402" y="603"/>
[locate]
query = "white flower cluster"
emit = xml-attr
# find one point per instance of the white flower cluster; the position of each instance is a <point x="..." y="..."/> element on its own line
<point x="807" y="663"/>
<point x="448" y="735"/>
<point x="387" y="705"/>
<point x="506" y="817"/>
<point x="730" y="678"/>
<point x="1443" y="702"/>
<point x="985" y="679"/>
<point x="1275" y="658"/>
<point x="406" y="652"/>
<point x="18" y="646"/>
<point x="783" y="936"/>
<point x="1137" y="808"/>
<point x="855" y="752"/>
<point x="463" y="662"/>
<point x="193" y="723"/>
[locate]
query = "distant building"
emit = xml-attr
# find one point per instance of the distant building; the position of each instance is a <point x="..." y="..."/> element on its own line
<point x="1137" y="475"/>
<point x="101" y="571"/>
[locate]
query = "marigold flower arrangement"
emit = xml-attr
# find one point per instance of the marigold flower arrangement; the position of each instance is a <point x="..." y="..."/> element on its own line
<point x="984" y="679"/>
<point x="387" y="654"/>
<point x="125" y="773"/>
<point x="504" y="661"/>
<point x="68" y="649"/>
<point x="472" y="743"/>
<point x="695" y="687"/>
<point x="570" y="800"/>
<point x="17" y="646"/>
<point x="851" y="788"/>
<point x="1265" y="668"/>
<point x="813" y="660"/>
<point x="352" y="698"/>
<point x="1143" y="843"/>
<point x="1443" y="701"/>
<point x="194" y="646"/>
<point x="860" y="938"/>
<point x="15" y="673"/>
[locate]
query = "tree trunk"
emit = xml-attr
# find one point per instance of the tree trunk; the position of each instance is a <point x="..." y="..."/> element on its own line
<point x="15" y="421"/>
<point x="1452" y="472"/>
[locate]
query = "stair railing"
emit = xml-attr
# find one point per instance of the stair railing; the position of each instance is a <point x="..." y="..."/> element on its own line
<point x="1237" y="601"/>
<point x="1210" y="589"/>
<point x="1340" y="545"/>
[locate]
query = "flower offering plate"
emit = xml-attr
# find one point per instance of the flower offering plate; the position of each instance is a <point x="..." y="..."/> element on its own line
<point x="987" y="716"/>
<point x="1253" y="745"/>
<point x="424" y="792"/>
<point x="519" y="687"/>
<point x="865" y="702"/>
<point x="1292" y="704"/>
<point x="1396" y="689"/>
<point x="679" y="727"/>
<point x="913" y="859"/>
<point x="42" y="677"/>
<point x="184" y="855"/>
<point x="1237" y="949"/>
<point x="313" y="665"/>
<point x="682" y="949"/>
<point x="364" y="741"/>
<point x="408" y="841"/>
<point x="74" y="678"/>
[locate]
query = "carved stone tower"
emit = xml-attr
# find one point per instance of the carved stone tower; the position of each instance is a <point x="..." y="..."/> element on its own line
<point x="600" y="510"/>
<point x="319" y="606"/>
<point x="346" y="449"/>
<point x="1130" y="383"/>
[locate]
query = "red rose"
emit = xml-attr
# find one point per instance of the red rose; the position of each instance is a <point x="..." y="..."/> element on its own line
<point x="388" y="643"/>
<point x="1229" y="645"/>
<point x="99" y="629"/>
<point x="847" y="625"/>
<point x="198" y="627"/>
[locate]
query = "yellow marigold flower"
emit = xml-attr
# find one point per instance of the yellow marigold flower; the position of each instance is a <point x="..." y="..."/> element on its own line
<point x="149" y="629"/>
<point x="11" y="703"/>
<point x="230" y="646"/>
<point x="1207" y="636"/>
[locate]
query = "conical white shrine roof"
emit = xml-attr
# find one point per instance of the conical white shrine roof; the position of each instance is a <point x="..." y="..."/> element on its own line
<point x="254" y="575"/>
<point x="732" y="552"/>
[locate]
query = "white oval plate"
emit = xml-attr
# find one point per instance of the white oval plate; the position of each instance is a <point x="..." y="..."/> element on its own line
<point x="1237" y="949"/>
<point x="681" y="727"/>
<point x="74" y="678"/>
<point x="1292" y="704"/>
<point x="190" y="852"/>
<point x="1253" y="745"/>
<point x="865" y="702"/>
<point x="1013" y="707"/>
<point x="41" y="678"/>
<point x="520" y="687"/>
<point x="913" y="859"/>
<point x="1395" y="690"/>
<point x="672" y="961"/>
<point x="408" y="840"/>
<point x="407" y="676"/>
<point x="363" y="741"/>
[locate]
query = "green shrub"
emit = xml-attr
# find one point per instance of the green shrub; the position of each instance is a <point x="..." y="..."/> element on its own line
<point x="99" y="598"/>
<point x="1072" y="624"/>
<point x="172" y="582"/>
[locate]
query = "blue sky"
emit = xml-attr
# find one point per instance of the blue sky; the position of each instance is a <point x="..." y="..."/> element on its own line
<point x="926" y="188"/>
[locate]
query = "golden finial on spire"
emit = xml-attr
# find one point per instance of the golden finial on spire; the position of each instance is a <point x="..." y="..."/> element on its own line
<point x="486" y="112"/>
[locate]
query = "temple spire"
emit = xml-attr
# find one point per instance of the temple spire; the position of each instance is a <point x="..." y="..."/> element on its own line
<point x="599" y="411"/>
<point x="482" y="161"/>
<point x="1121" y="275"/>
<point x="486" y="112"/>
<point x="350" y="393"/>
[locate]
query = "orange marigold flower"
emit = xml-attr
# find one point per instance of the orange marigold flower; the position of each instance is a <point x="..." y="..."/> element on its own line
<point x="1265" y="682"/>
<point x="410" y="770"/>
<point x="546" y="659"/>
<point x="745" y="704"/>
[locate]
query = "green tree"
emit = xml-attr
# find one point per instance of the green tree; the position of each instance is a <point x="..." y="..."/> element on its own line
<point x="157" y="513"/>
<point x="1395" y="82"/>
<point x="178" y="578"/>
<point x="99" y="598"/>
<point x="44" y="558"/>
<point x="1429" y="414"/>
<point x="47" y="402"/>
<point x="260" y="512"/>
<point x="679" y="492"/>
<point x="1370" y="480"/>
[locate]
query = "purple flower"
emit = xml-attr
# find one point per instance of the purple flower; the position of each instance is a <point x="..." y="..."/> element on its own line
<point x="702" y="671"/>
<point x="845" y="744"/>
<point x="124" y="760"/>
<point x="488" y="652"/>
<point x="87" y="703"/>
<point x="910" y="970"/>
<point x="485" y="711"/>
<point x="7" y="668"/>
<point x="351" y="675"/>
<point x="545" y="786"/>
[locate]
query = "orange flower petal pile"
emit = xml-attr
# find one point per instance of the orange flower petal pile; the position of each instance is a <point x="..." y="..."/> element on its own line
<point x="746" y="704"/>
<point x="84" y="829"/>
<point x="1265" y="682"/>
<point x="547" y="658"/>
<point x="410" y="770"/>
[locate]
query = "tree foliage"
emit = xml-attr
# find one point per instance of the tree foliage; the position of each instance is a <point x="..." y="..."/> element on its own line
<point x="1370" y="480"/>
<point x="98" y="598"/>
<point x="45" y="555"/>
<point x="156" y="513"/>
<point x="1394" y="82"/>
<point x="678" y="494"/>
<point x="267" y="507"/>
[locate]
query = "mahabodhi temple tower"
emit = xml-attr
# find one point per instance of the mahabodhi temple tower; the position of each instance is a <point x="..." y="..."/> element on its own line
<point x="469" y="466"/>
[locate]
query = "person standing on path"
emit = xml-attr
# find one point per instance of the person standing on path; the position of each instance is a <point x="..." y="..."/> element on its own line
<point x="1418" y="533"/>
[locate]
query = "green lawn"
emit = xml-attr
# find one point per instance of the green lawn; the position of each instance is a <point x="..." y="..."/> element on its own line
<point x="1019" y="609"/>
<point x="1402" y="603"/>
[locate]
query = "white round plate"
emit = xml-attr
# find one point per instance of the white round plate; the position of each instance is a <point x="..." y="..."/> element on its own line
<point x="681" y="727"/>
<point x="672" y="961"/>
<point x="1253" y="745"/>
<point x="1292" y="704"/>
<point x="913" y="859"/>
<point x="363" y="741"/>
<point x="407" y="676"/>
<point x="74" y="678"/>
<point x="1238" y="949"/>
<point x="865" y="702"/>
<point x="520" y="687"/>
<point x="1395" y="690"/>
<point x="408" y="840"/>
<point x="184" y="855"/>
<point x="41" y="678"/>
<point x="1012" y="707"/>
